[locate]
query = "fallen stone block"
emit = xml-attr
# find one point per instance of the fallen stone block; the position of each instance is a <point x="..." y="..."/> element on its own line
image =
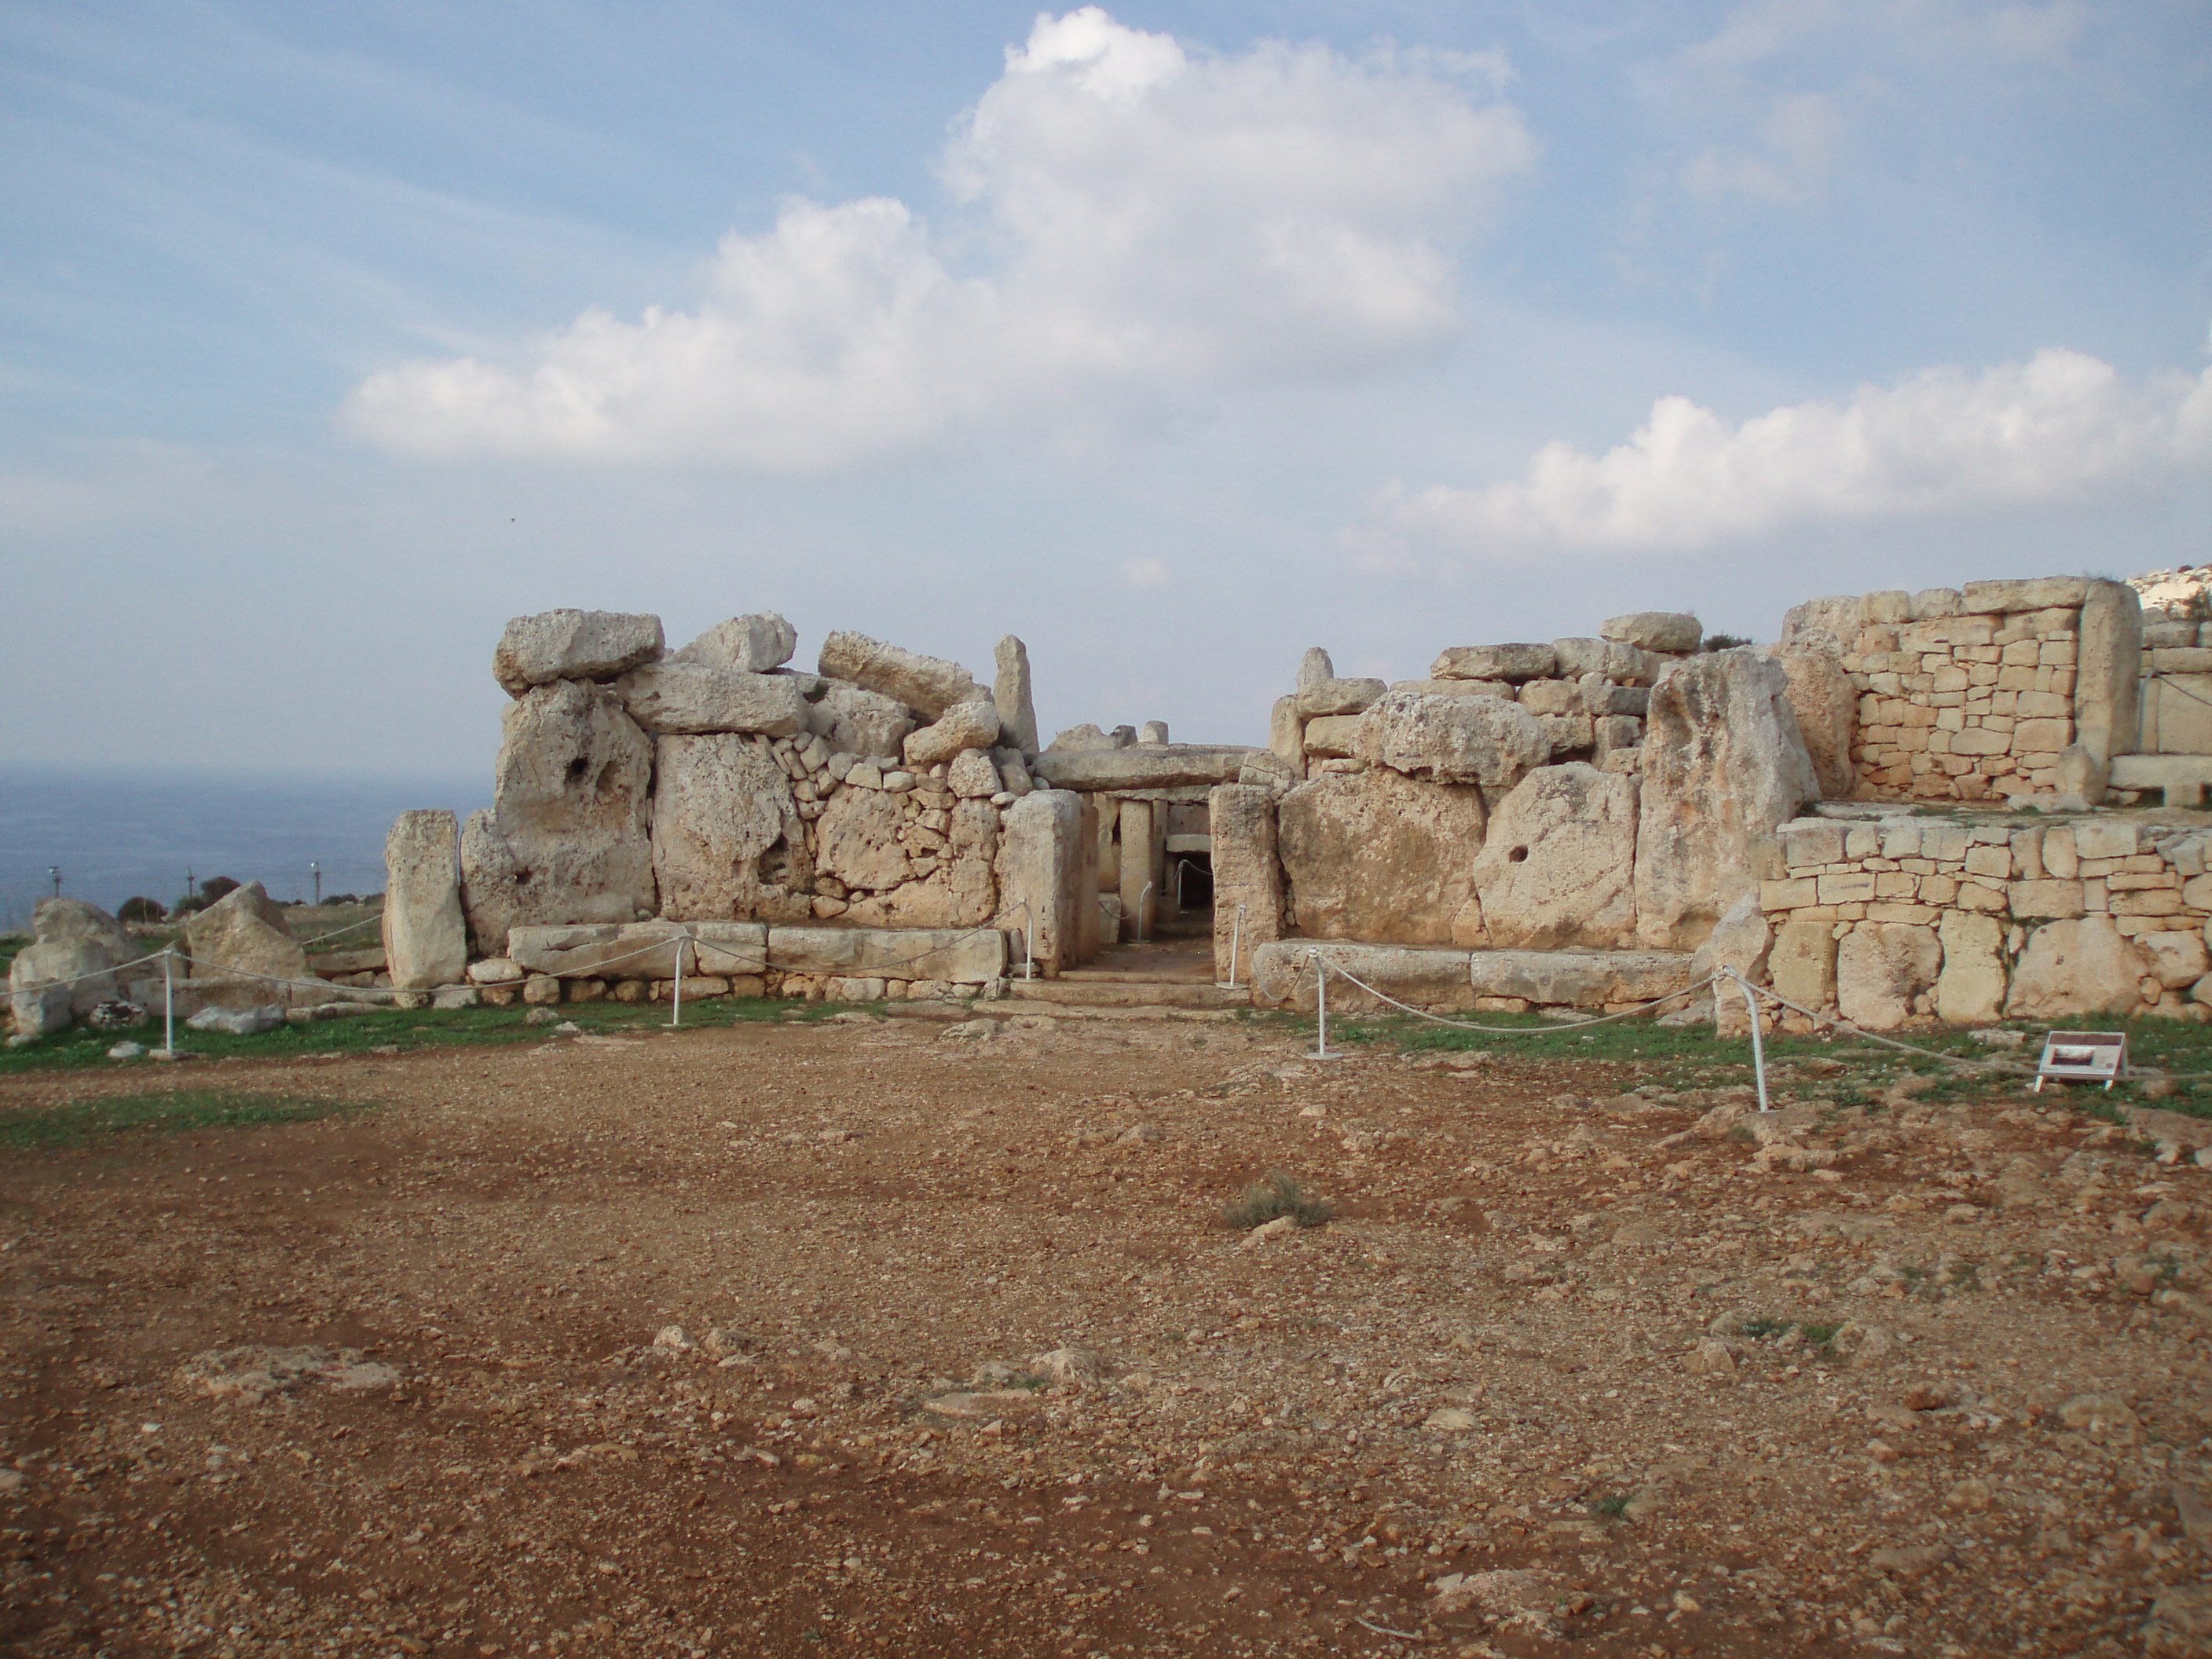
<point x="962" y="956"/>
<point x="573" y="645"/>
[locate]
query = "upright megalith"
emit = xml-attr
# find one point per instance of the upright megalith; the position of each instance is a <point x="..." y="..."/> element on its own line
<point x="1483" y="741"/>
<point x="70" y="966"/>
<point x="728" y="843"/>
<point x="426" y="936"/>
<point x="929" y="686"/>
<point x="1558" y="863"/>
<point x="1040" y="868"/>
<point x="573" y="645"/>
<point x="568" y="837"/>
<point x="1012" y="692"/>
<point x="1377" y="856"/>
<point x="1827" y="705"/>
<point x="1248" y="877"/>
<point x="1724" y="767"/>
<point x="2108" y="683"/>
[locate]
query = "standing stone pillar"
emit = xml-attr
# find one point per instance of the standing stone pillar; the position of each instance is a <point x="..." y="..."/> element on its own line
<point x="1247" y="871"/>
<point x="426" y="938"/>
<point x="1110" y="846"/>
<point x="1010" y="692"/>
<point x="1286" y="735"/>
<point x="1139" y="886"/>
<point x="1090" y="914"/>
<point x="1039" y="868"/>
<point x="2107" y="679"/>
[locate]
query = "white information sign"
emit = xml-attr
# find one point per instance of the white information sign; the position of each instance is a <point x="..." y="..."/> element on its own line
<point x="2083" y="1057"/>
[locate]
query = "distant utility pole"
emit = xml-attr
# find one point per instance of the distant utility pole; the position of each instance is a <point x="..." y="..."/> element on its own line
<point x="191" y="887"/>
<point x="55" y="871"/>
<point x="317" y="869"/>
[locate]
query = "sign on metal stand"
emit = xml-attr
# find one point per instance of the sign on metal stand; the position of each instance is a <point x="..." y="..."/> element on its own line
<point x="2083" y="1057"/>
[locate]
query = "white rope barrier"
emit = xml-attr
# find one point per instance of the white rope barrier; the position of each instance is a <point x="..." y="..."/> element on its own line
<point x="1323" y="966"/>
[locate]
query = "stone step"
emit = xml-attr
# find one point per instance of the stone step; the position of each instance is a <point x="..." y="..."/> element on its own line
<point x="1126" y="993"/>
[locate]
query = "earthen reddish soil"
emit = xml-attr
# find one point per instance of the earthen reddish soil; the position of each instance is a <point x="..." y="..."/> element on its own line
<point x="869" y="1212"/>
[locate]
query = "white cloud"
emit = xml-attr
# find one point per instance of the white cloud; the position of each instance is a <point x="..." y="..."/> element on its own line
<point x="2061" y="428"/>
<point x="1147" y="573"/>
<point x="1135" y="223"/>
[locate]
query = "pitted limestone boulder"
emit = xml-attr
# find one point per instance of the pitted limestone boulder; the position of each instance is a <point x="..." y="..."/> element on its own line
<point x="1453" y="740"/>
<point x="696" y="697"/>
<point x="573" y="645"/>
<point x="727" y="840"/>
<point x="1375" y="854"/>
<point x="752" y="644"/>
<point x="1558" y="864"/>
<point x="929" y="686"/>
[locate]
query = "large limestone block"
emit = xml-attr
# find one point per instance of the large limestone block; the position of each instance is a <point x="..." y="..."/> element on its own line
<point x="2078" y="966"/>
<point x="568" y="837"/>
<point x="928" y="684"/>
<point x="696" y="696"/>
<point x="1169" y="766"/>
<point x="1670" y="632"/>
<point x="1971" y="989"/>
<point x="2107" y="712"/>
<point x="1741" y="940"/>
<point x="1285" y="974"/>
<point x="750" y="645"/>
<point x="1040" y="871"/>
<point x="1579" y="979"/>
<point x="2177" y="958"/>
<point x="727" y="840"/>
<point x="1143" y="839"/>
<point x="1248" y="877"/>
<point x="1827" y="705"/>
<point x="973" y="776"/>
<point x="1485" y="740"/>
<point x="1336" y="696"/>
<point x="972" y="725"/>
<point x="1495" y="662"/>
<point x="857" y="839"/>
<point x="245" y="933"/>
<point x="426" y="936"/>
<point x="1724" y="767"/>
<point x="1010" y="691"/>
<point x="859" y="722"/>
<point x="1314" y="667"/>
<point x="573" y="645"/>
<point x="1802" y="964"/>
<point x="1332" y="737"/>
<point x="1377" y="855"/>
<point x="640" y="949"/>
<point x="1286" y="735"/>
<point x="1881" y="967"/>
<point x="1558" y="864"/>
<point x="2030" y="593"/>
<point x="960" y="892"/>
<point x="964" y="958"/>
<point x="74" y="940"/>
<point x="1624" y="664"/>
<point x="1832" y="624"/>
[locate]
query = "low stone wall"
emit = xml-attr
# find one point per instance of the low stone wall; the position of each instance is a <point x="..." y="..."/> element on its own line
<point x="1913" y="920"/>
<point x="1286" y="975"/>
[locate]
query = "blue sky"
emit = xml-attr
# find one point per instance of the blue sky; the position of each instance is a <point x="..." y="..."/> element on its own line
<point x="1174" y="338"/>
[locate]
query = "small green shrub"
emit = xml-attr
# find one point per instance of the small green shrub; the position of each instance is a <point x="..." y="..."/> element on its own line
<point x="1277" y="1196"/>
<point x="141" y="908"/>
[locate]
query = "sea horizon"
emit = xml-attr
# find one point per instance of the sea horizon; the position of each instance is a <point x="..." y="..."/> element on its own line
<point x="116" y="832"/>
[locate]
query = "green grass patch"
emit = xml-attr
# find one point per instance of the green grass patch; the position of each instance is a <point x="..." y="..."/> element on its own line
<point x="9" y="944"/>
<point x="1614" y="1507"/>
<point x="1820" y="1336"/>
<point x="43" y="1129"/>
<point x="406" y="1030"/>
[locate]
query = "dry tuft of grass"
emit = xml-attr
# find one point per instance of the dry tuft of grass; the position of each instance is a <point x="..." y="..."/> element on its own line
<point x="1277" y="1196"/>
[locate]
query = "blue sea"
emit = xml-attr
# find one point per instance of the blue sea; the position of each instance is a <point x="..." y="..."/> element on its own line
<point x="113" y="834"/>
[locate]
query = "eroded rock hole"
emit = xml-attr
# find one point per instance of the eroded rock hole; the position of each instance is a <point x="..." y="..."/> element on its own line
<point x="1518" y="855"/>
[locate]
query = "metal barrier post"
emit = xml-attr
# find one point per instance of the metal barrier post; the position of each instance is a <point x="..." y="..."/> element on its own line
<point x="1144" y="903"/>
<point x="1236" y="947"/>
<point x="168" y="1001"/>
<point x="1757" y="1043"/>
<point x="676" y="994"/>
<point x="1321" y="1008"/>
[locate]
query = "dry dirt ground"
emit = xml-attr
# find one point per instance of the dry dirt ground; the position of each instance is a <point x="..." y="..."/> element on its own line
<point x="1581" y="1366"/>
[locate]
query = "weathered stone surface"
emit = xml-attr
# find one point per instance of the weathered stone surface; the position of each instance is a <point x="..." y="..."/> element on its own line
<point x="1578" y="979"/>
<point x="1377" y="855"/>
<point x="1495" y="662"/>
<point x="567" y="838"/>
<point x="1284" y="976"/>
<point x="1335" y="696"/>
<point x="1455" y="687"/>
<point x="1485" y="740"/>
<point x="752" y="644"/>
<point x="1830" y="624"/>
<point x="857" y="839"/>
<point x="1248" y="877"/>
<point x="929" y="686"/>
<point x="573" y="645"/>
<point x="245" y="933"/>
<point x="2032" y="593"/>
<point x="2177" y="958"/>
<point x="964" y="958"/>
<point x="1881" y="967"/>
<point x="858" y="722"/>
<point x="1010" y="691"/>
<point x="1086" y="739"/>
<point x="1558" y="864"/>
<point x="696" y="696"/>
<point x="972" y="725"/>
<point x="638" y="950"/>
<point x="1741" y="940"/>
<point x="1671" y="632"/>
<point x="1314" y="667"/>
<point x="1971" y="989"/>
<point x="426" y="937"/>
<point x="1152" y="734"/>
<point x="1723" y="768"/>
<point x="1040" y="871"/>
<point x="1332" y="737"/>
<point x="2107" y="715"/>
<point x="728" y="843"/>
<point x="1541" y="697"/>
<point x="960" y="892"/>
<point x="1286" y="735"/>
<point x="1827" y="705"/>
<point x="1143" y="839"/>
<point x="973" y="775"/>
<point x="72" y="940"/>
<point x="2079" y="967"/>
<point x="1802" y="964"/>
<point x="1170" y="766"/>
